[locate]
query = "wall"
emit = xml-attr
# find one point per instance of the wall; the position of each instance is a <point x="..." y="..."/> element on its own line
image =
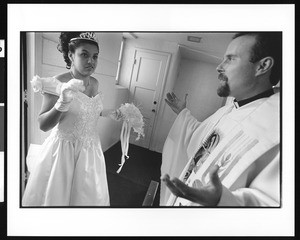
<point x="200" y="81"/>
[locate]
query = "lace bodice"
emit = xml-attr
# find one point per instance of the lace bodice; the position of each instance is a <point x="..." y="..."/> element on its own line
<point x="80" y="122"/>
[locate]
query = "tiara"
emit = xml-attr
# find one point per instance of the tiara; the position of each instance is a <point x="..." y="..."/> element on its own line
<point x="86" y="36"/>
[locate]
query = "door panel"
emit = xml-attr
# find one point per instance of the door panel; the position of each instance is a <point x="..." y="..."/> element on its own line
<point x="149" y="72"/>
<point x="145" y="96"/>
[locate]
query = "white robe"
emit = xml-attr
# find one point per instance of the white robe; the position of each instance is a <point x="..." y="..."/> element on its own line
<point x="247" y="153"/>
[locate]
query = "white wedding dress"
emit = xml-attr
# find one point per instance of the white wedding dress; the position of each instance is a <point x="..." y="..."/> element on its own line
<point x="70" y="168"/>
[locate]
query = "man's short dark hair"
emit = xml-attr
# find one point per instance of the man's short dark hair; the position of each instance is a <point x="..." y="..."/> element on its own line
<point x="267" y="44"/>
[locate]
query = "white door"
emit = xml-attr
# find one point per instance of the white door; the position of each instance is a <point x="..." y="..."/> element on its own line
<point x="148" y="76"/>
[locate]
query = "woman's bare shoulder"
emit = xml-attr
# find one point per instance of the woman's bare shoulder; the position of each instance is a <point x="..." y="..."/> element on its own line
<point x="63" y="77"/>
<point x="95" y="82"/>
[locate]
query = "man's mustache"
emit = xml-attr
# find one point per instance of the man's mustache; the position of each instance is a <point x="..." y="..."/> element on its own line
<point x="222" y="77"/>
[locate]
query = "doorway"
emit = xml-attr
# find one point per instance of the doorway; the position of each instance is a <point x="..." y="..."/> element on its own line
<point x="149" y="73"/>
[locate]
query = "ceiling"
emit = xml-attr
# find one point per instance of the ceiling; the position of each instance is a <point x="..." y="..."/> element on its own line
<point x="211" y="43"/>
<point x="211" y="47"/>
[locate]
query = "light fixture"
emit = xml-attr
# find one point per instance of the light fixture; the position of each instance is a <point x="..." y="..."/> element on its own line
<point x="130" y="35"/>
<point x="194" y="39"/>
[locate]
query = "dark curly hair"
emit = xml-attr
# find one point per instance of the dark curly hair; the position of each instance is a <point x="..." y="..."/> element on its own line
<point x="65" y="45"/>
<point x="267" y="44"/>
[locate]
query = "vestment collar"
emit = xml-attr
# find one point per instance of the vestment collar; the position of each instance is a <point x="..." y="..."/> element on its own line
<point x="264" y="94"/>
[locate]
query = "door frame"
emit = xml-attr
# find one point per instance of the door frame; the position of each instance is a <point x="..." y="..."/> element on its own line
<point x="158" y="115"/>
<point x="28" y="68"/>
<point x="24" y="111"/>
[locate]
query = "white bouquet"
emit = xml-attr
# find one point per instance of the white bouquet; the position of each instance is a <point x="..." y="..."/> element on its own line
<point x="132" y="118"/>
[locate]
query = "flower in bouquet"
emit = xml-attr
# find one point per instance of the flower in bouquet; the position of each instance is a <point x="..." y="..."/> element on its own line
<point x="132" y="115"/>
<point x="132" y="118"/>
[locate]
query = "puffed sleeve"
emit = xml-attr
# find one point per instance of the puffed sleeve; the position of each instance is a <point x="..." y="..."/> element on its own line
<point x="46" y="85"/>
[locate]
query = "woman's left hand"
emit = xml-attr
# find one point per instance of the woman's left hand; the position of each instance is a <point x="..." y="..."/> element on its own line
<point x="112" y="113"/>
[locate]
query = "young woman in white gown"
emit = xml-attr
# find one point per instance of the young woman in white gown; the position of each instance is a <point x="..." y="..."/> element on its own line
<point x="70" y="169"/>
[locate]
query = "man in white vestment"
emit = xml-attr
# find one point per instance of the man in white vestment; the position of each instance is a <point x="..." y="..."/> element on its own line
<point x="233" y="156"/>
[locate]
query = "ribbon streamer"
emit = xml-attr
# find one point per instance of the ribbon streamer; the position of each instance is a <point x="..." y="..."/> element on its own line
<point x="125" y="134"/>
<point x="132" y="118"/>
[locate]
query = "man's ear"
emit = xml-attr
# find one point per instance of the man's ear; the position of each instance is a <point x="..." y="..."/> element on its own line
<point x="264" y="65"/>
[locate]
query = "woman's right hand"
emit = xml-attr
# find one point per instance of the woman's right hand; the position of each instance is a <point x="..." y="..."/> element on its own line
<point x="53" y="106"/>
<point x="67" y="93"/>
<point x="70" y="88"/>
<point x="176" y="104"/>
